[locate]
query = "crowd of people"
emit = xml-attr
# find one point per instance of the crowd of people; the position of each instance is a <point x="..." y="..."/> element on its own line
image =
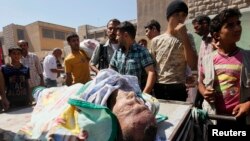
<point x="161" y="65"/>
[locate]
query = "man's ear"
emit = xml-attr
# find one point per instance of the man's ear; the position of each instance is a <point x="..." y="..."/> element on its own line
<point x="154" y="28"/>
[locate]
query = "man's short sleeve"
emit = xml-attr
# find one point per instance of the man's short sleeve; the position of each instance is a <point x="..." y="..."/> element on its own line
<point x="95" y="56"/>
<point x="146" y="58"/>
<point x="113" y="61"/>
<point x="38" y="64"/>
<point x="52" y="62"/>
<point x="152" y="47"/>
<point x="67" y="66"/>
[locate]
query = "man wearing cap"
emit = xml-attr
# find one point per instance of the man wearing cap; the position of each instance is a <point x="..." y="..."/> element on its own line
<point x="152" y="29"/>
<point x="172" y="52"/>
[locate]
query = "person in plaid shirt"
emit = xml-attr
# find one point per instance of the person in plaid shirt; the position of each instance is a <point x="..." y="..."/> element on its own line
<point x="131" y="58"/>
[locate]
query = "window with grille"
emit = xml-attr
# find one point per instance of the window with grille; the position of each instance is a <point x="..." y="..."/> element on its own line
<point x="20" y="34"/>
<point x="47" y="33"/>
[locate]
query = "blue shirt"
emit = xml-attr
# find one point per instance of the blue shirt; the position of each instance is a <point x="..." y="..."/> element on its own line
<point x="16" y="81"/>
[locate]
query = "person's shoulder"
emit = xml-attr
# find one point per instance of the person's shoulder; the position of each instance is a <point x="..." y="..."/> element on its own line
<point x="190" y="35"/>
<point x="32" y="54"/>
<point x="82" y="52"/>
<point x="69" y="57"/>
<point x="4" y="67"/>
<point x="245" y="52"/>
<point x="139" y="47"/>
<point x="106" y="43"/>
<point x="49" y="56"/>
<point x="24" y="67"/>
<point x="161" y="37"/>
<point x="210" y="55"/>
<point x="48" y="59"/>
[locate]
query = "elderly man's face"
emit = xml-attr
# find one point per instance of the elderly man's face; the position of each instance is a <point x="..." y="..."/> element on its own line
<point x="58" y="54"/>
<point x="24" y="46"/>
<point x="132" y="114"/>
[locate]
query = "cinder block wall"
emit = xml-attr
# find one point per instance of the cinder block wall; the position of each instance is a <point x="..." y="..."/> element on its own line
<point x="212" y="7"/>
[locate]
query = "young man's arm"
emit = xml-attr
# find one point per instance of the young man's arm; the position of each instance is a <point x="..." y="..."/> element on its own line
<point x="68" y="70"/>
<point x="94" y="60"/>
<point x="69" y="79"/>
<point x="208" y="93"/>
<point x="189" y="52"/>
<point x="52" y="64"/>
<point x="93" y="68"/>
<point x="151" y="79"/>
<point x="241" y="109"/>
<point x="57" y="70"/>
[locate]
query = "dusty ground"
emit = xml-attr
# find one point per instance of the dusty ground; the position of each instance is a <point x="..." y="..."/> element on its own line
<point x="12" y="120"/>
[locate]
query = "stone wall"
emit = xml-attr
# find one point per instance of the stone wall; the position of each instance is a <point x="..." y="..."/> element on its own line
<point x="212" y="7"/>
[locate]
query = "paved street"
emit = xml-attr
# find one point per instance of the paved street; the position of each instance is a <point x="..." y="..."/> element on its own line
<point x="12" y="121"/>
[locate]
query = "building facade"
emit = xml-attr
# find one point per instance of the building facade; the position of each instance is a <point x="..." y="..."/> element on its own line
<point x="97" y="33"/>
<point x="212" y="7"/>
<point x="148" y="10"/>
<point x="42" y="36"/>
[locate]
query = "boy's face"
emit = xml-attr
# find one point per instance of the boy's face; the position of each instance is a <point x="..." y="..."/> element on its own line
<point x="231" y="31"/>
<point x="176" y="18"/>
<point x="150" y="33"/>
<point x="15" y="55"/>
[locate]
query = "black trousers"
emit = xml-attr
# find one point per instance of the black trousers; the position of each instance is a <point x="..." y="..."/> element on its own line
<point x="170" y="91"/>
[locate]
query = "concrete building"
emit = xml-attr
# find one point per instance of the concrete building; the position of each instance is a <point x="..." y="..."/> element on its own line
<point x="42" y="36"/>
<point x="97" y="33"/>
<point x="212" y="7"/>
<point x="148" y="9"/>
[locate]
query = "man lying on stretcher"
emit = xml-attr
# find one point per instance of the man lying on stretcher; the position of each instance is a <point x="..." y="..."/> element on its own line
<point x="110" y="107"/>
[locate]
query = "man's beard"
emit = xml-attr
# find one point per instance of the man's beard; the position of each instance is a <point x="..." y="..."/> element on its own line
<point x="121" y="46"/>
<point x="112" y="38"/>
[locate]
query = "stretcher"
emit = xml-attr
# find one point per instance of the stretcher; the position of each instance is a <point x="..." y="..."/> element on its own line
<point x="179" y="124"/>
<point x="172" y="129"/>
